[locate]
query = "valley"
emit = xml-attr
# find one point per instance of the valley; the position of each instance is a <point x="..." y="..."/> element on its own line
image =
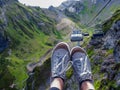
<point x="28" y="34"/>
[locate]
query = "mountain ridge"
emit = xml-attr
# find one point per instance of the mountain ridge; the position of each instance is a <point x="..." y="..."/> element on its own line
<point x="82" y="13"/>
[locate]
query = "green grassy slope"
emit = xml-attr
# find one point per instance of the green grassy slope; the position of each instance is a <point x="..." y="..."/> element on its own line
<point x="31" y="34"/>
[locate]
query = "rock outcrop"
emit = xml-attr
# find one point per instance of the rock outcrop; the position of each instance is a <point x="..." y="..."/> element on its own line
<point x="72" y="6"/>
<point x="4" y="43"/>
<point x="4" y="2"/>
<point x="112" y="36"/>
<point x="112" y="40"/>
<point x="117" y="52"/>
<point x="107" y="56"/>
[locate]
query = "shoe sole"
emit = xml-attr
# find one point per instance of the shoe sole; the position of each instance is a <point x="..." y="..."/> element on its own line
<point x="62" y="45"/>
<point x="77" y="49"/>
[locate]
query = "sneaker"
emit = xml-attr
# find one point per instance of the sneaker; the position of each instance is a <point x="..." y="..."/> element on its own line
<point x="59" y="60"/>
<point x="81" y="65"/>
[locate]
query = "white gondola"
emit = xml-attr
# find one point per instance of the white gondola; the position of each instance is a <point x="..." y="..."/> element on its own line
<point x="76" y="36"/>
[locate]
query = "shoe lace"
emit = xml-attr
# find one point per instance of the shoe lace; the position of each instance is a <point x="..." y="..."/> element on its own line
<point x="64" y="68"/>
<point x="85" y="70"/>
<point x="85" y="67"/>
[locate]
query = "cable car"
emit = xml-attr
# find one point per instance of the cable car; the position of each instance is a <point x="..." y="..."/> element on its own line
<point x="98" y="33"/>
<point x="76" y="36"/>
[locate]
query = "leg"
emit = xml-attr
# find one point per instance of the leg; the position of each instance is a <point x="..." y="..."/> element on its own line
<point x="86" y="85"/>
<point x="82" y="68"/>
<point x="57" y="84"/>
<point x="59" y="61"/>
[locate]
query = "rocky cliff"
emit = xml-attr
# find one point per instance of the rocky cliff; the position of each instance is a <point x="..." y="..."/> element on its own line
<point x="105" y="59"/>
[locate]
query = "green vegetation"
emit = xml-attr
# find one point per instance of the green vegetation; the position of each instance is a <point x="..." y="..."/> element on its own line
<point x="107" y="24"/>
<point x="73" y="16"/>
<point x="31" y="35"/>
<point x="1" y="21"/>
<point x="42" y="73"/>
<point x="100" y="82"/>
<point x="69" y="73"/>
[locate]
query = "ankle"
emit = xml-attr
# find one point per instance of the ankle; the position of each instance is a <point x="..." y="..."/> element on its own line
<point x="59" y="79"/>
<point x="87" y="85"/>
<point x="57" y="83"/>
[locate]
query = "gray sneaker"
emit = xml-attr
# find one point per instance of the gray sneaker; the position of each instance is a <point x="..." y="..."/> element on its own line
<point x="59" y="60"/>
<point x="81" y="64"/>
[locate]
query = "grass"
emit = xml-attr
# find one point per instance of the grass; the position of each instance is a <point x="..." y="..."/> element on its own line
<point x="97" y="84"/>
<point x="31" y="51"/>
<point x="69" y="73"/>
<point x="42" y="73"/>
<point x="28" y="42"/>
<point x="18" y="70"/>
<point x="107" y="24"/>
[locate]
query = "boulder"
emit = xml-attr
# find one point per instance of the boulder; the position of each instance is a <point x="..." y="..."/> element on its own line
<point x="107" y="65"/>
<point x="117" y="78"/>
<point x="96" y="42"/>
<point x="4" y="42"/>
<point x="97" y="60"/>
<point x="117" y="53"/>
<point x="112" y="36"/>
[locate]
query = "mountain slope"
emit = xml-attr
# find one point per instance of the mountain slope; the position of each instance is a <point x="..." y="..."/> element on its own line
<point x="84" y="10"/>
<point x="106" y="59"/>
<point x="26" y="34"/>
<point x="104" y="67"/>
